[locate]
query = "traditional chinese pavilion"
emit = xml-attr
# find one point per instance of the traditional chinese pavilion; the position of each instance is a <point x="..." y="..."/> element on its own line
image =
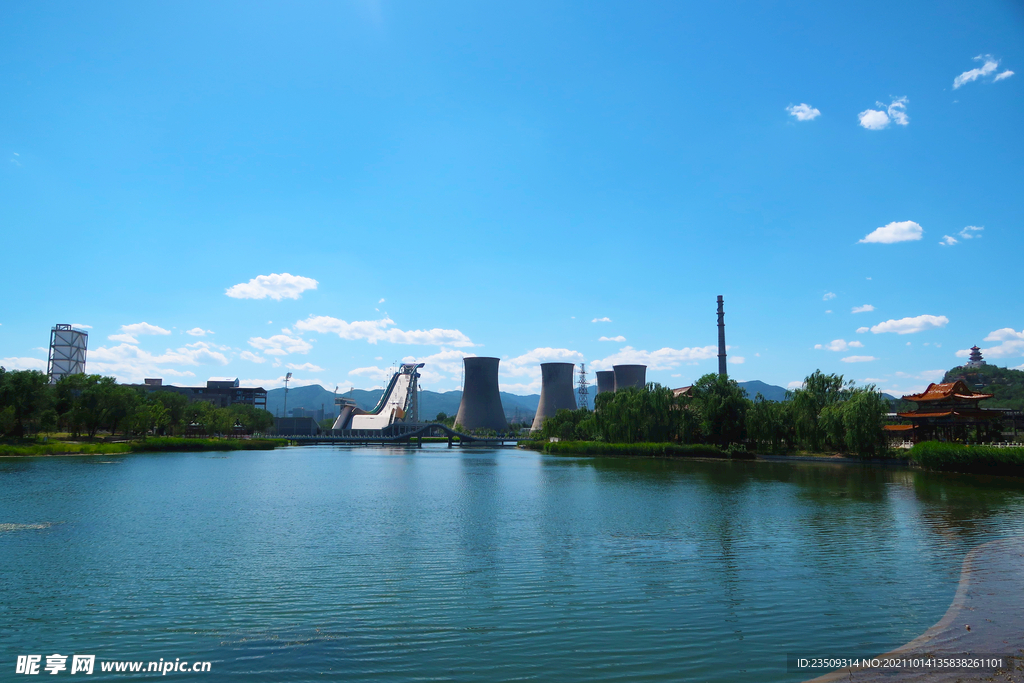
<point x="947" y="412"/>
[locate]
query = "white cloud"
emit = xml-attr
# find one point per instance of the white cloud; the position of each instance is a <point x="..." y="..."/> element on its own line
<point x="129" y="363"/>
<point x="898" y="111"/>
<point x="918" y="323"/>
<point x="372" y="372"/>
<point x="838" y="345"/>
<point x="1004" y="334"/>
<point x="873" y="119"/>
<point x="619" y="338"/>
<point x="866" y="308"/>
<point x="15" y="363"/>
<point x="862" y="330"/>
<point x="1005" y="74"/>
<point x="543" y="355"/>
<point x="798" y="384"/>
<point x="829" y="310"/>
<point x="252" y="357"/>
<point x="877" y="119"/>
<point x="381" y="300"/>
<point x="80" y="326"/>
<point x="931" y="375"/>
<point x="859" y="359"/>
<point x="279" y="382"/>
<point x="1012" y="344"/>
<point x="803" y="112"/>
<point x="136" y="329"/>
<point x="898" y="231"/>
<point x="989" y="66"/>
<point x="276" y="286"/>
<point x="280" y="345"/>
<point x="601" y="320"/>
<point x="527" y="366"/>
<point x="374" y="331"/>
<point x="443" y="366"/>
<point x="828" y="296"/>
<point x="198" y="332"/>
<point x="304" y="367"/>
<point x="968" y="232"/>
<point x="662" y="359"/>
<point x="123" y="338"/>
<point x="737" y="360"/>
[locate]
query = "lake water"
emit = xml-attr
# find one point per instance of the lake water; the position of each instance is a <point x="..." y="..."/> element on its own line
<point x="378" y="564"/>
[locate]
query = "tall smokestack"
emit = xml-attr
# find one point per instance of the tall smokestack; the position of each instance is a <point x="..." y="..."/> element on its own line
<point x="480" y="407"/>
<point x="555" y="391"/>
<point x="721" y="337"/>
<point x="605" y="381"/>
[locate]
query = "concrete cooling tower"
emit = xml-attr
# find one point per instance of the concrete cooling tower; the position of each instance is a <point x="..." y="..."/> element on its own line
<point x="630" y="376"/>
<point x="481" y="403"/>
<point x="555" y="391"/>
<point x="605" y="381"/>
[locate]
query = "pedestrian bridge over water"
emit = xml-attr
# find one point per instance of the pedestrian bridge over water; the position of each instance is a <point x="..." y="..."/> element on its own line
<point x="404" y="433"/>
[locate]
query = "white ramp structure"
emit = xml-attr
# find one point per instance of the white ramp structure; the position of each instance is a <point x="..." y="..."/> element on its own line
<point x="400" y="402"/>
<point x="67" y="352"/>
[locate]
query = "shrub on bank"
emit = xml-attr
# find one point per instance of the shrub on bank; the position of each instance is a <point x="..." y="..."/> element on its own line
<point x="157" y="444"/>
<point x="937" y="455"/>
<point x="59" y="448"/>
<point x="170" y="443"/>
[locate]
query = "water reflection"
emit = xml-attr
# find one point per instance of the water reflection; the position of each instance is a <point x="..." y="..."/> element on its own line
<point x="389" y="564"/>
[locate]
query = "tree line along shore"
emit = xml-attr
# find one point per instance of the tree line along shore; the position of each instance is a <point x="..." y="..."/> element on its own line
<point x="714" y="418"/>
<point x="39" y="418"/>
<point x="827" y="415"/>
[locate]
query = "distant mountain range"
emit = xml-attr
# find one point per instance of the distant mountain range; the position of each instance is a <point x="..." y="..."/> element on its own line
<point x="315" y="397"/>
<point x="520" y="408"/>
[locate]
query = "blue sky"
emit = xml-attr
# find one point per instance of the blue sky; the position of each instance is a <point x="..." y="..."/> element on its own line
<point x="247" y="189"/>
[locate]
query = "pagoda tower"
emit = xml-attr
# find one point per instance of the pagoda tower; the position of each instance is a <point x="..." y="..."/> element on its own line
<point x="976" y="360"/>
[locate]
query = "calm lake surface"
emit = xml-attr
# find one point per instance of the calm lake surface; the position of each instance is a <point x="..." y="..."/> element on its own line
<point x="378" y="564"/>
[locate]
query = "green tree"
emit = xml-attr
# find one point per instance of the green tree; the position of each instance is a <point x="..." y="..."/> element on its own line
<point x="722" y="406"/>
<point x="175" y="404"/>
<point x="27" y="394"/>
<point x="770" y="425"/>
<point x="119" y="402"/>
<point x="257" y="420"/>
<point x="571" y="425"/>
<point x="650" y="414"/>
<point x="863" y="417"/>
<point x="819" y="392"/>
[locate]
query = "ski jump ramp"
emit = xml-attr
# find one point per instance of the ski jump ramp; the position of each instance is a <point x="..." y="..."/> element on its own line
<point x="399" y="403"/>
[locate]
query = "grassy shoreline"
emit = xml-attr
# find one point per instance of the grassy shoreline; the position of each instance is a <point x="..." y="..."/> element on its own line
<point x="951" y="457"/>
<point x="153" y="445"/>
<point x="930" y="455"/>
<point x="674" y="450"/>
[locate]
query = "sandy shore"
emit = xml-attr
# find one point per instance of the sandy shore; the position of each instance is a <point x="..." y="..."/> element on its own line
<point x="989" y="600"/>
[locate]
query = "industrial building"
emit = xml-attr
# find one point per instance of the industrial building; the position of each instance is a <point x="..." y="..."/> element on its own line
<point x="556" y="392"/>
<point x="721" y="337"/>
<point x="629" y="376"/>
<point x="605" y="381"/>
<point x="296" y="426"/>
<point x="68" y="347"/>
<point x="480" y="407"/>
<point x="219" y="391"/>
